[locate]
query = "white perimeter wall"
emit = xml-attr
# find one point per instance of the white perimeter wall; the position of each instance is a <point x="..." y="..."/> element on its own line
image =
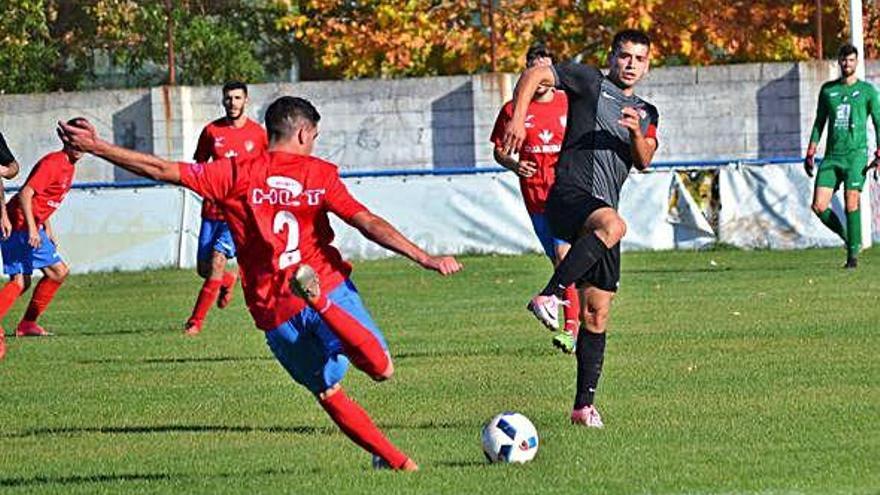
<point x="767" y="206"/>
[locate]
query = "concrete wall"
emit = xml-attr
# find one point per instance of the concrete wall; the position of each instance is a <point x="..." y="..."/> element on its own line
<point x="706" y="113"/>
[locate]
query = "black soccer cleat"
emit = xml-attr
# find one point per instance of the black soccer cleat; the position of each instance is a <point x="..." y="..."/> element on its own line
<point x="851" y="263"/>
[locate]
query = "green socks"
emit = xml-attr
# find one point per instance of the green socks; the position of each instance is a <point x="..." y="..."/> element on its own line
<point x="854" y="227"/>
<point x="832" y="222"/>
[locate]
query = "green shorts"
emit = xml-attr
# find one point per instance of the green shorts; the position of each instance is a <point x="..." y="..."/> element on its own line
<point x="846" y="169"/>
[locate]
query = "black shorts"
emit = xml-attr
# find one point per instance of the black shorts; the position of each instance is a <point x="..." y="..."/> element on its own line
<point x="566" y="217"/>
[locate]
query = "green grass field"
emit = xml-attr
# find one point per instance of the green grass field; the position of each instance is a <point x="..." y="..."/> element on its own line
<point x="726" y="372"/>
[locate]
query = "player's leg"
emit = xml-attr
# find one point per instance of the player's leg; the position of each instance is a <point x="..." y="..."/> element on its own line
<point x="313" y="357"/>
<point x="599" y="286"/>
<point x="226" y="247"/>
<point x="601" y="231"/>
<point x="826" y="183"/>
<point x="210" y="265"/>
<point x="853" y="182"/>
<point x="354" y="421"/>
<point x="344" y="314"/>
<point x="16" y="260"/>
<point x="53" y="277"/>
<point x="566" y="339"/>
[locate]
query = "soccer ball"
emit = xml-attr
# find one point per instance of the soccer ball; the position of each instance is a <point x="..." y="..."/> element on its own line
<point x="510" y="437"/>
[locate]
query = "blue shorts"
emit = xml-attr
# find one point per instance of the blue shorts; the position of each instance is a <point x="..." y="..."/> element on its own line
<point x="542" y="230"/>
<point x="20" y="257"/>
<point x="214" y="235"/>
<point x="309" y="351"/>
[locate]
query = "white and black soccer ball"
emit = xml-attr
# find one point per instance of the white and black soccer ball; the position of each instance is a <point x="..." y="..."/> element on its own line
<point x="510" y="437"/>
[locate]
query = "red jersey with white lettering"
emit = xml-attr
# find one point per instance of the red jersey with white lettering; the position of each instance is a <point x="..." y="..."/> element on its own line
<point x="50" y="179"/>
<point x="277" y="206"/>
<point x="221" y="139"/>
<point x="545" y="128"/>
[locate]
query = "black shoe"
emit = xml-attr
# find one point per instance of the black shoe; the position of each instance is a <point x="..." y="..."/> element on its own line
<point x="851" y="263"/>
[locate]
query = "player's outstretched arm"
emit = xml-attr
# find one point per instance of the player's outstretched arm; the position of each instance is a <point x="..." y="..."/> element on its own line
<point x="378" y="230"/>
<point x="81" y="134"/>
<point x="515" y="132"/>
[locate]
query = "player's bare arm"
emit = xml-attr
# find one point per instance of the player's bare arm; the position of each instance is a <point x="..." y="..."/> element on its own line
<point x="26" y="196"/>
<point x="50" y="232"/>
<point x="10" y="170"/>
<point x="83" y="136"/>
<point x="523" y="168"/>
<point x="641" y="147"/>
<point x="5" y="223"/>
<point x="528" y="84"/>
<point x="378" y="230"/>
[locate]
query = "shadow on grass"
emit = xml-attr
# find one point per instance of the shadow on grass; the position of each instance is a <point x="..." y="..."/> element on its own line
<point x="177" y="360"/>
<point x="463" y="464"/>
<point x="140" y="430"/>
<point x="115" y="478"/>
<point x="529" y="351"/>
<point x="78" y="480"/>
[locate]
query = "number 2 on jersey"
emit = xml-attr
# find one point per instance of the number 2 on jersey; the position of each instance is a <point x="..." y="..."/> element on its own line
<point x="291" y="254"/>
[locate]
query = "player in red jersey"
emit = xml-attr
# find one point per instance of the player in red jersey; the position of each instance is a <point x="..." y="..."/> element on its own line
<point x="233" y="135"/>
<point x="277" y="205"/>
<point x="32" y="244"/>
<point x="536" y="167"/>
<point x="8" y="170"/>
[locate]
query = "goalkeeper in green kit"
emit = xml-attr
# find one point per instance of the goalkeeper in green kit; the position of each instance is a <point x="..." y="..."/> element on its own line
<point x="845" y="104"/>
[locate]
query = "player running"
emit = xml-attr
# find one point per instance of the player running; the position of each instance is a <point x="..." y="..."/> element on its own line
<point x="277" y="205"/>
<point x="545" y="127"/>
<point x="609" y="130"/>
<point x="31" y="243"/>
<point x="846" y="102"/>
<point x="8" y="170"/>
<point x="233" y="135"/>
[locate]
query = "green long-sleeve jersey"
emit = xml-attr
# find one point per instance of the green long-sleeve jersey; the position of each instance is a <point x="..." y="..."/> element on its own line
<point x="847" y="108"/>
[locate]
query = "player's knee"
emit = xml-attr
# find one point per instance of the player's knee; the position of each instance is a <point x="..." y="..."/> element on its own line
<point x="203" y="269"/>
<point x="59" y="273"/>
<point x="386" y="373"/>
<point x="613" y="231"/>
<point x="218" y="263"/>
<point x="818" y="208"/>
<point x="851" y="207"/>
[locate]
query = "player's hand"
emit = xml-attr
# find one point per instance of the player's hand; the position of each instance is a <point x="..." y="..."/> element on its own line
<point x="5" y="227"/>
<point x="446" y="265"/>
<point x="514" y="135"/>
<point x="34" y="240"/>
<point x="629" y="118"/>
<point x="80" y="134"/>
<point x="809" y="165"/>
<point x="526" y="168"/>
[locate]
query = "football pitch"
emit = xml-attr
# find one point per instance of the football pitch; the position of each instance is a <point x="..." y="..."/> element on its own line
<point x="725" y="372"/>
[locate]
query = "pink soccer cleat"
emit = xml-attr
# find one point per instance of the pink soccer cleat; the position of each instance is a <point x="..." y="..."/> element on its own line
<point x="587" y="416"/>
<point x="30" y="329"/>
<point x="546" y="310"/>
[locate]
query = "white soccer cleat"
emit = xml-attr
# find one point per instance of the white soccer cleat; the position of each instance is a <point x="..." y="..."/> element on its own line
<point x="546" y="310"/>
<point x="587" y="416"/>
<point x="305" y="283"/>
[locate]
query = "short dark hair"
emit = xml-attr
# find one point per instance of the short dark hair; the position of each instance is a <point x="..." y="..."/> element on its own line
<point x="233" y="85"/>
<point x="538" y="50"/>
<point x="286" y="114"/>
<point x="629" y="35"/>
<point x="846" y="50"/>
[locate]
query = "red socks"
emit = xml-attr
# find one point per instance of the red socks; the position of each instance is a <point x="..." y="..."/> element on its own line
<point x="8" y="295"/>
<point x="229" y="279"/>
<point x="42" y="296"/>
<point x="572" y="310"/>
<point x="206" y="299"/>
<point x="360" y="345"/>
<point x="357" y="425"/>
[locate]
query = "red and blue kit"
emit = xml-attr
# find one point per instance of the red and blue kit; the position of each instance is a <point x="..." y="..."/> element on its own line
<point x="51" y="179"/>
<point x="545" y="129"/>
<point x="221" y="139"/>
<point x="276" y="206"/>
